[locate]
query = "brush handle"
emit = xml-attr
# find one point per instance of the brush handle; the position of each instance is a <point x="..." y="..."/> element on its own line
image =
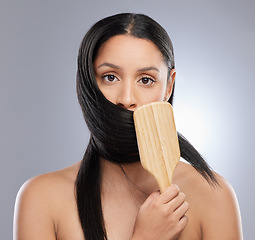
<point x="157" y="141"/>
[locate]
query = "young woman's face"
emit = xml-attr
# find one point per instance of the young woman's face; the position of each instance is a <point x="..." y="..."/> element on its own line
<point x="131" y="72"/>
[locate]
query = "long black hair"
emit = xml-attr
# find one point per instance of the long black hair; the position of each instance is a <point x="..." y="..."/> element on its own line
<point x="112" y="128"/>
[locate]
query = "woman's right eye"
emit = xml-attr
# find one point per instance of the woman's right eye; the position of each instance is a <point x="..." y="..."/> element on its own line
<point x="109" y="78"/>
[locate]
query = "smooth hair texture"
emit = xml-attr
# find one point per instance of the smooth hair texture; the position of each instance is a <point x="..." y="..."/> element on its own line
<point x="112" y="127"/>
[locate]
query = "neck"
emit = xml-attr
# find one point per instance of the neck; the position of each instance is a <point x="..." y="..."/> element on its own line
<point x="127" y="176"/>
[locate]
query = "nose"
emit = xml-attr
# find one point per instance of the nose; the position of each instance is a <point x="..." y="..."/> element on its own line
<point x="126" y="96"/>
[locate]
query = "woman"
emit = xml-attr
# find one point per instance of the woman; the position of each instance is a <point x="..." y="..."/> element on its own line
<point x="125" y="61"/>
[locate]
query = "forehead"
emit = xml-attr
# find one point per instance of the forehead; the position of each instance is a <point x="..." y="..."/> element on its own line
<point x="126" y="47"/>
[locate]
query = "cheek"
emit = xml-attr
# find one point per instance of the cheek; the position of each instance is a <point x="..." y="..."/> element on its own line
<point x="109" y="93"/>
<point x="153" y="95"/>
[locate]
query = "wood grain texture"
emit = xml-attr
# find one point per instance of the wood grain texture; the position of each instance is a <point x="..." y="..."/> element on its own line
<point x="157" y="141"/>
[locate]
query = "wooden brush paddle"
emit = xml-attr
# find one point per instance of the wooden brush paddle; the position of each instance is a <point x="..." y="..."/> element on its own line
<point x="157" y="141"/>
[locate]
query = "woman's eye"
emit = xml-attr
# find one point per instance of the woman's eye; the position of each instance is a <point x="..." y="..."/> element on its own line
<point x="147" y="81"/>
<point x="109" y="78"/>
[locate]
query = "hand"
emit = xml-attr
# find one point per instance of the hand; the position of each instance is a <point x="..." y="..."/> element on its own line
<point x="162" y="216"/>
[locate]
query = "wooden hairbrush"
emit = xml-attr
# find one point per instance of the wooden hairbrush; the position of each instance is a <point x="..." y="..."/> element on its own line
<point x="157" y="141"/>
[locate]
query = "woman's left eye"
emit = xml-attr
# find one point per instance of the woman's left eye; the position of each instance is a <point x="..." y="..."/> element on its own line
<point x="147" y="81"/>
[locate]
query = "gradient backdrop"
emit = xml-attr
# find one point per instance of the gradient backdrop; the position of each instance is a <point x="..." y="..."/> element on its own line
<point x="41" y="125"/>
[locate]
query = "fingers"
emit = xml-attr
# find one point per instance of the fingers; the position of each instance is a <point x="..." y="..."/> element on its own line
<point x="182" y="210"/>
<point x="183" y="222"/>
<point x="177" y="201"/>
<point x="169" y="194"/>
<point x="162" y="216"/>
<point x="150" y="199"/>
<point x="172" y="199"/>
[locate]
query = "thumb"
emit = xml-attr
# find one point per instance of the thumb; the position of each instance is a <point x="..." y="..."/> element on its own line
<point x="150" y="199"/>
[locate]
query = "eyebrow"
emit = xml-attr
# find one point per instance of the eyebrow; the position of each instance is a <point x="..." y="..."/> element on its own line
<point x="109" y="65"/>
<point x="148" y="69"/>
<point x="118" y="67"/>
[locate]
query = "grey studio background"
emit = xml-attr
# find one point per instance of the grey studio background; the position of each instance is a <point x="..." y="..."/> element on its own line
<point x="41" y="124"/>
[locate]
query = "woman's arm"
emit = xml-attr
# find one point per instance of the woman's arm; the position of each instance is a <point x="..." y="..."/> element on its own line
<point x="32" y="215"/>
<point x="220" y="213"/>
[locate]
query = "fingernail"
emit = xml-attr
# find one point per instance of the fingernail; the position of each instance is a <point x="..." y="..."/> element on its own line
<point x="177" y="187"/>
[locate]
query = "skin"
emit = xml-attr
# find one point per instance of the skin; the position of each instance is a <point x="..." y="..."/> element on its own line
<point x="45" y="208"/>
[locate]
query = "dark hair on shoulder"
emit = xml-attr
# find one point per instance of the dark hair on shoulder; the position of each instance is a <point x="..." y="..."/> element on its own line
<point x="112" y="128"/>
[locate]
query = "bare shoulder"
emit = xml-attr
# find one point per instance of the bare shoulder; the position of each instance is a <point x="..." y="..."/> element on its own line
<point x="49" y="185"/>
<point x="193" y="182"/>
<point x="39" y="201"/>
<point x="215" y="205"/>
